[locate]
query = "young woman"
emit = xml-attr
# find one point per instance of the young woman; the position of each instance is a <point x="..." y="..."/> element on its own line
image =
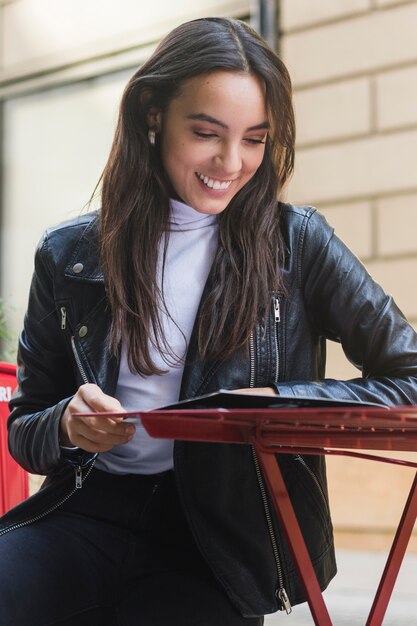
<point x="191" y="278"/>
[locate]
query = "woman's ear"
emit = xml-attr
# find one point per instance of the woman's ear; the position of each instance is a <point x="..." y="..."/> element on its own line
<point x="154" y="119"/>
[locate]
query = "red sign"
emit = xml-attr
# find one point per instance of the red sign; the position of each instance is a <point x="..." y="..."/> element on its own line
<point x="13" y="479"/>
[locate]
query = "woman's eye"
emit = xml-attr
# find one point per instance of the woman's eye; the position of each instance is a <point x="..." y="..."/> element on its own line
<point x="255" y="141"/>
<point x="204" y="135"/>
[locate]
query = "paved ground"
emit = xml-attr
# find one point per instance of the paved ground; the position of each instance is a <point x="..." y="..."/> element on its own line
<point x="349" y="596"/>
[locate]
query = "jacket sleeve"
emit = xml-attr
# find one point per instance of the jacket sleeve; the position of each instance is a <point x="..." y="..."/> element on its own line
<point x="45" y="377"/>
<point x="345" y="305"/>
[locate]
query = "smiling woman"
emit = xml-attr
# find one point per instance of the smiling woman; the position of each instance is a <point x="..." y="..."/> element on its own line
<point x="192" y="277"/>
<point x="207" y="99"/>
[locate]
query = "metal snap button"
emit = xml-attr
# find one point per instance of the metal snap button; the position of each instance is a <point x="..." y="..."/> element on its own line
<point x="78" y="268"/>
<point x="83" y="331"/>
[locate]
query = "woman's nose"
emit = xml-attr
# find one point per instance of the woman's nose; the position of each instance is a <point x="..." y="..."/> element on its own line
<point x="229" y="159"/>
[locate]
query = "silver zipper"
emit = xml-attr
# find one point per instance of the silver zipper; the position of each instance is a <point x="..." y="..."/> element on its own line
<point x="78" y="470"/>
<point x="316" y="481"/>
<point x="63" y="318"/>
<point x="51" y="509"/>
<point x="73" y="346"/>
<point x="280" y="592"/>
<point x="78" y="477"/>
<point x="277" y="316"/>
<point x="252" y="360"/>
<point x="78" y="361"/>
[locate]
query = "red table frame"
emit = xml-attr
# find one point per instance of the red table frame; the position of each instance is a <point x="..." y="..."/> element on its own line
<point x="307" y="431"/>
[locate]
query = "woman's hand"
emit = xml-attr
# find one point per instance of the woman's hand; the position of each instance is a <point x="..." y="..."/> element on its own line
<point x="94" y="434"/>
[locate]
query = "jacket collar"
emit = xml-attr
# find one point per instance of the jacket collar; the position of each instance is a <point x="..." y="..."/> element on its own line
<point x="83" y="265"/>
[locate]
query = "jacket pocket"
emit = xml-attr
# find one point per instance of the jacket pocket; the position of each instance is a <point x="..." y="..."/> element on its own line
<point x="311" y="489"/>
<point x="322" y="494"/>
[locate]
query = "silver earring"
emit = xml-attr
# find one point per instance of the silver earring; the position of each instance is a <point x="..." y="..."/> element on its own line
<point x="151" y="137"/>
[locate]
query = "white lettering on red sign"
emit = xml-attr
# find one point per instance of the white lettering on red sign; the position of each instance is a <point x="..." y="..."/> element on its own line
<point x="5" y="394"/>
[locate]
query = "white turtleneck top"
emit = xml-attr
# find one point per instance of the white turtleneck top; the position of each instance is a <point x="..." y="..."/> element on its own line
<point x="192" y="245"/>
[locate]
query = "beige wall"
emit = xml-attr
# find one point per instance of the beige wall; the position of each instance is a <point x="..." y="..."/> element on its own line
<point x="354" y="67"/>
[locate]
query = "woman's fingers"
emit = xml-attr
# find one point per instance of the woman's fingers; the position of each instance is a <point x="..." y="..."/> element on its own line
<point x="94" y="433"/>
<point x="96" y="400"/>
<point x="97" y="434"/>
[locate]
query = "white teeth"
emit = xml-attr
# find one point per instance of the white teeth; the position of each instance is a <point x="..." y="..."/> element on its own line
<point x="214" y="184"/>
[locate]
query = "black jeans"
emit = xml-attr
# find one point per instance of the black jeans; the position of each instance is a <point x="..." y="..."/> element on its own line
<point x="118" y="553"/>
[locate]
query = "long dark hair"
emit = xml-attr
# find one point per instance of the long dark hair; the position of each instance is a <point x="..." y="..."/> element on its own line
<point x="135" y="198"/>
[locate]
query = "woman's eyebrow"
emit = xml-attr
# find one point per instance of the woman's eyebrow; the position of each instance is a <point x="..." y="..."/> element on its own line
<point x="212" y="120"/>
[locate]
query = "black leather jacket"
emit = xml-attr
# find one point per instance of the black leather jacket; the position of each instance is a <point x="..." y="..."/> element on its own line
<point x="329" y="295"/>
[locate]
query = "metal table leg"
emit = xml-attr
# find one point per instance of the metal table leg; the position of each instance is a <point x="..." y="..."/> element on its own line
<point x="395" y="558"/>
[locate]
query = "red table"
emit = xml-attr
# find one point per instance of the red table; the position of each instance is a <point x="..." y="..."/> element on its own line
<point x="340" y="430"/>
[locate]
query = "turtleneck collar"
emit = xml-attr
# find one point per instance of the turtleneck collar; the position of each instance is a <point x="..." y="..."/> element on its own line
<point x="184" y="217"/>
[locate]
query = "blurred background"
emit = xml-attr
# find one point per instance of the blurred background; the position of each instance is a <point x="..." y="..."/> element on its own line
<point x="63" y="66"/>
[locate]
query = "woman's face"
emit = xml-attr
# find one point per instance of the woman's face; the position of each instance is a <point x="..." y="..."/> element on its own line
<point x="212" y="138"/>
